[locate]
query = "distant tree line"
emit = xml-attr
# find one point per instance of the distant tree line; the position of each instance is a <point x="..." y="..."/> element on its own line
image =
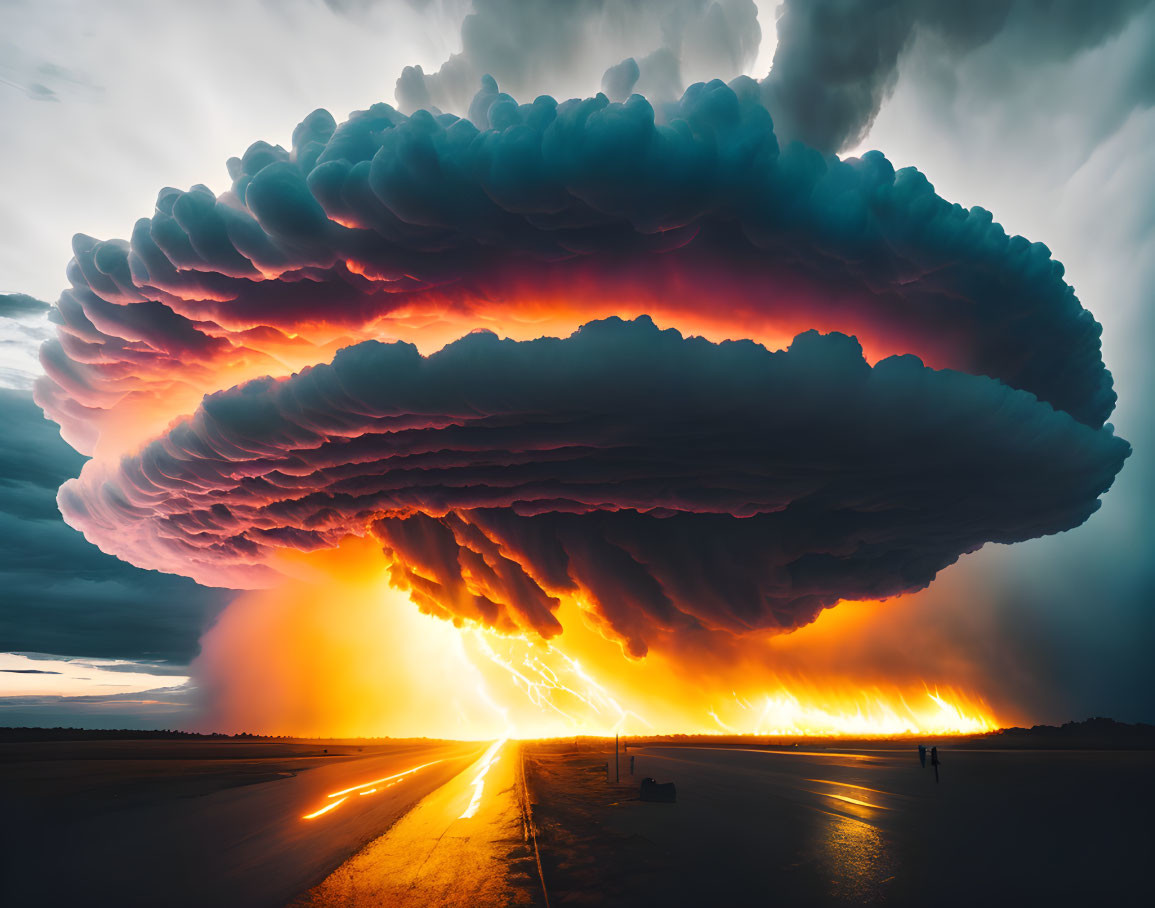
<point x="9" y="734"/>
<point x="1092" y="733"/>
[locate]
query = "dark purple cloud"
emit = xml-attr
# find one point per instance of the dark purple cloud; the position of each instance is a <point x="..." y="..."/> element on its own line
<point x="672" y="482"/>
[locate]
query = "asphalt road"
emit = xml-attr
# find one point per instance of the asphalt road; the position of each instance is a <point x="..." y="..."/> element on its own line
<point x="870" y="826"/>
<point x="461" y="847"/>
<point x="821" y="827"/>
<point x="198" y="832"/>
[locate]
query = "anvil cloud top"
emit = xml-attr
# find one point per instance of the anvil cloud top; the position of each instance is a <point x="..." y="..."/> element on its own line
<point x="669" y="481"/>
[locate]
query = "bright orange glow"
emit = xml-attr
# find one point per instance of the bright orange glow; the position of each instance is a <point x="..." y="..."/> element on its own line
<point x="340" y="652"/>
<point x="478" y="784"/>
<point x="846" y="799"/>
<point x="323" y="810"/>
<point x="141" y="400"/>
<point x="869" y="712"/>
<point x="564" y="689"/>
<point x="848" y="785"/>
<point x="342" y="796"/>
<point x="391" y="778"/>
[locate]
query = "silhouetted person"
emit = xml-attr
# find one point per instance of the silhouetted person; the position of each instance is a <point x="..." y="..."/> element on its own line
<point x="922" y="755"/>
<point x="934" y="761"/>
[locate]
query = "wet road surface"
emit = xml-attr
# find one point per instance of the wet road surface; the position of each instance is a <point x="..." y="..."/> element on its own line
<point x="461" y="847"/>
<point x="441" y="824"/>
<point x="872" y="826"/>
<point x="178" y="833"/>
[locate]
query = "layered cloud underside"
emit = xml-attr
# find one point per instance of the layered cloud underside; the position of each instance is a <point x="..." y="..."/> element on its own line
<point x="670" y="482"/>
<point x="422" y="228"/>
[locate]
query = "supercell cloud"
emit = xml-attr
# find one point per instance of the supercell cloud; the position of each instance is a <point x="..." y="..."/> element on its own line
<point x="672" y="482"/>
<point x="953" y="393"/>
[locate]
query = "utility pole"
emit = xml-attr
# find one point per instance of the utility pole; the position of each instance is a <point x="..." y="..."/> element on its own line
<point x="617" y="770"/>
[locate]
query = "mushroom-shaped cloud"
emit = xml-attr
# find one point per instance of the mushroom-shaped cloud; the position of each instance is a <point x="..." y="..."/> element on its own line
<point x="670" y="481"/>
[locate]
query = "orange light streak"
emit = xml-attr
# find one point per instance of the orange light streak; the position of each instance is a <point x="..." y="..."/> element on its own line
<point x="392" y="780"/>
<point x="323" y="810"/>
<point x="846" y="799"/>
<point x="399" y="775"/>
<point x="851" y="785"/>
<point x="541" y="684"/>
<point x="487" y="761"/>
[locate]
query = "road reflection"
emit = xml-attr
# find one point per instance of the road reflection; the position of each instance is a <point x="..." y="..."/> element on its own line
<point x="323" y="810"/>
<point x="855" y="858"/>
<point x="487" y="761"/>
<point x="366" y="788"/>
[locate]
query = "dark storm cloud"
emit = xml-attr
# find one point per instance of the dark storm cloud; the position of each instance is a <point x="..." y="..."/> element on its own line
<point x="673" y="482"/>
<point x="383" y="212"/>
<point x="528" y="45"/>
<point x="61" y="595"/>
<point x="18" y="305"/>
<point x="837" y="60"/>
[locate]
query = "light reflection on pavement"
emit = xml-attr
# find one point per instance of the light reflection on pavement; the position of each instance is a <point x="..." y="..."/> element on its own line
<point x="342" y="795"/>
<point x="455" y="848"/>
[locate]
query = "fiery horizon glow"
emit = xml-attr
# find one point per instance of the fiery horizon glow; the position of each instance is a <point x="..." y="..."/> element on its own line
<point x="344" y="654"/>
